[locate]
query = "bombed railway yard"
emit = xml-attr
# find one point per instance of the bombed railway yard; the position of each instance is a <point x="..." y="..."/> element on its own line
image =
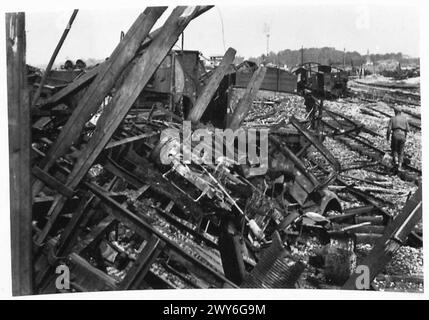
<point x="155" y="170"/>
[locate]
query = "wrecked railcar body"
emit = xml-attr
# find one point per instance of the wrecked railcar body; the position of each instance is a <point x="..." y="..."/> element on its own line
<point x="322" y="80"/>
<point x="123" y="194"/>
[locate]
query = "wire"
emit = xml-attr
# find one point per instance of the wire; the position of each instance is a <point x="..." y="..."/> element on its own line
<point x="223" y="31"/>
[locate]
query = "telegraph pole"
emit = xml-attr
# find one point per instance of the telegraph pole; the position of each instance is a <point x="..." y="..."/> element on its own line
<point x="344" y="59"/>
<point x="268" y="43"/>
<point x="267" y="33"/>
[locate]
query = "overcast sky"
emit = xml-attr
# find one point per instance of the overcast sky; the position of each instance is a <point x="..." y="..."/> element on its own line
<point x="95" y="33"/>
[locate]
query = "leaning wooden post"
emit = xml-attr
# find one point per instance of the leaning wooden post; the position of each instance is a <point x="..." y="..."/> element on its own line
<point x="209" y="90"/>
<point x="395" y="234"/>
<point x="89" y="76"/>
<point x="126" y="95"/>
<point x="53" y="57"/>
<point x="246" y="101"/>
<point x="100" y="87"/>
<point x="19" y="155"/>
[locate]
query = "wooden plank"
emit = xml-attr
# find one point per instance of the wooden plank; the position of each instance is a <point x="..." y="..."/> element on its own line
<point x="83" y="213"/>
<point x="245" y="103"/>
<point x="142" y="190"/>
<point x="95" y="235"/>
<point x="111" y="118"/>
<point x="53" y="57"/>
<point x="52" y="215"/>
<point x="81" y="81"/>
<point x="77" y="84"/>
<point x="19" y="155"/>
<point x="70" y="230"/>
<point x="396" y="233"/>
<point x="141" y="266"/>
<point x="146" y="173"/>
<point x="209" y="90"/>
<point x="100" y="87"/>
<point x="364" y="227"/>
<point x="367" y="238"/>
<point x="135" y="222"/>
<point x="89" y="278"/>
<point x="52" y="182"/>
<point x="131" y="88"/>
<point x="375" y="220"/>
<point x="67" y="240"/>
<point x="113" y="144"/>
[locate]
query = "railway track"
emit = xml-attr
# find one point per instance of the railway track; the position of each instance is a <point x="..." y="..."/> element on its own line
<point x="348" y="131"/>
<point x="378" y="93"/>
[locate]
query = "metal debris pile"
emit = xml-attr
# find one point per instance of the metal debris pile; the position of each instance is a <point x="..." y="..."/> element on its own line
<point x="117" y="200"/>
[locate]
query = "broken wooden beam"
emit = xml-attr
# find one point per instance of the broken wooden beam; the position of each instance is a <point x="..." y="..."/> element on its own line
<point x="146" y="174"/>
<point x="353" y="214"/>
<point x="141" y="266"/>
<point x="77" y="84"/>
<point x="52" y="182"/>
<point x="363" y="227"/>
<point x="70" y="232"/>
<point x="209" y="90"/>
<point x="89" y="278"/>
<point x="36" y="96"/>
<point x="19" y="156"/>
<point x="131" y="88"/>
<point x="367" y="238"/>
<point x="245" y="102"/>
<point x="126" y="94"/>
<point x="375" y="220"/>
<point x="91" y="74"/>
<point x="113" y="144"/>
<point x="136" y="223"/>
<point x="100" y="87"/>
<point x="395" y="235"/>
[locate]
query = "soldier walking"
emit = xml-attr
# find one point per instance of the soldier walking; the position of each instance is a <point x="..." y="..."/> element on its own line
<point x="397" y="130"/>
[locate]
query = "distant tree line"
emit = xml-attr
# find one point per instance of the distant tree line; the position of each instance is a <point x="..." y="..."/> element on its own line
<point x="329" y="56"/>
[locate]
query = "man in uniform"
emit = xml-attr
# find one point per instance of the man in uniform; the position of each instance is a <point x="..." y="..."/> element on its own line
<point x="398" y="129"/>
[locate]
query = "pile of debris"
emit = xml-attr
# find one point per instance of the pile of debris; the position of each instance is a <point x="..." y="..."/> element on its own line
<point x="127" y="194"/>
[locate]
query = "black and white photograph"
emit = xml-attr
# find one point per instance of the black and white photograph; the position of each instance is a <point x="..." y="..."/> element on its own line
<point x="213" y="146"/>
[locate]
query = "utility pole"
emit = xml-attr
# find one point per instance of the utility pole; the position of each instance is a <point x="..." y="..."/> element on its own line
<point x="302" y="55"/>
<point x="344" y="59"/>
<point x="268" y="43"/>
<point x="267" y="33"/>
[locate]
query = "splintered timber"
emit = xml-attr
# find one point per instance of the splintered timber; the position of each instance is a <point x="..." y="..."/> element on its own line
<point x="159" y="168"/>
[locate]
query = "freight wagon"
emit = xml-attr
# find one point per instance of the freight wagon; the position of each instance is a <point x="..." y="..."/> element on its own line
<point x="323" y="80"/>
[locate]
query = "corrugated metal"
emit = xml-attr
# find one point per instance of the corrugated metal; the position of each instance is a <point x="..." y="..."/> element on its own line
<point x="276" y="269"/>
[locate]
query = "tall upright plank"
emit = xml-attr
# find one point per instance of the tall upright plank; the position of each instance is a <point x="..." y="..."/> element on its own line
<point x="100" y="87"/>
<point x="209" y="90"/>
<point x="19" y="155"/>
<point x="246" y="101"/>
